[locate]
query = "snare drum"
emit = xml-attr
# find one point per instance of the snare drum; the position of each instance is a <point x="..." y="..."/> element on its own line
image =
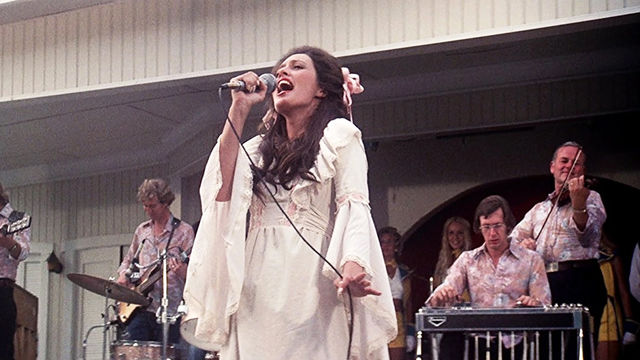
<point x="142" y="350"/>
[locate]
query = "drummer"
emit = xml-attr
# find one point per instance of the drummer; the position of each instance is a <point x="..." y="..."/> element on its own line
<point x="149" y="240"/>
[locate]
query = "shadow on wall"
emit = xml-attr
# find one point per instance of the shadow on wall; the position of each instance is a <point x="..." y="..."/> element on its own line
<point x="421" y="243"/>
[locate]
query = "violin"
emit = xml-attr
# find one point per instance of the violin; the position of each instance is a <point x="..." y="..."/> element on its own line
<point x="563" y="197"/>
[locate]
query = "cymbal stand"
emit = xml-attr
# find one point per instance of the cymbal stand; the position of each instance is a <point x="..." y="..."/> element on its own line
<point x="86" y="337"/>
<point x="105" y="325"/>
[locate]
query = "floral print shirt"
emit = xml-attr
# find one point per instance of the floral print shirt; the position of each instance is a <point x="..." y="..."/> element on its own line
<point x="149" y="254"/>
<point x="560" y="239"/>
<point x="9" y="265"/>
<point x="519" y="272"/>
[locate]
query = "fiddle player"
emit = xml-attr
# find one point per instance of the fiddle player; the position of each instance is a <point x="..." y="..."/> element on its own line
<point x="499" y="273"/>
<point x="13" y="249"/>
<point x="569" y="239"/>
<point x="149" y="240"/>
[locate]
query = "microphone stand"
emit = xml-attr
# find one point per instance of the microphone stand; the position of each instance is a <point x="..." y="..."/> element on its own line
<point x="164" y="305"/>
<point x="164" y="319"/>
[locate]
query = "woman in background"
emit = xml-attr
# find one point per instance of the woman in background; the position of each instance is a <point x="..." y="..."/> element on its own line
<point x="400" y="282"/>
<point x="456" y="238"/>
<point x="617" y="314"/>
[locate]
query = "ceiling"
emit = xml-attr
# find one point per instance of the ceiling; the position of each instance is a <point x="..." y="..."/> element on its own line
<point x="91" y="132"/>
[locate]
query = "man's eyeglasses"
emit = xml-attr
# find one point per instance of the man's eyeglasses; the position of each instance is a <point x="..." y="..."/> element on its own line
<point x="488" y="227"/>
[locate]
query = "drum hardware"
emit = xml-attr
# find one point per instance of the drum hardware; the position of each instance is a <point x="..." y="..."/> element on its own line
<point x="142" y="350"/>
<point x="113" y="290"/>
<point x="86" y="337"/>
<point x="110" y="290"/>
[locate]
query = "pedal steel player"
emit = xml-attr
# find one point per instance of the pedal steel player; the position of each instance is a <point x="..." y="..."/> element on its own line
<point x="13" y="249"/>
<point x="150" y="239"/>
<point x="498" y="274"/>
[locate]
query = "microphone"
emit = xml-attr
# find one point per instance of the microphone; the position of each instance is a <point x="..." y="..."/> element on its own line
<point x="267" y="78"/>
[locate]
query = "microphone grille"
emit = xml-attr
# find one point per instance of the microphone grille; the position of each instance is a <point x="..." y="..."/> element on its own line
<point x="269" y="80"/>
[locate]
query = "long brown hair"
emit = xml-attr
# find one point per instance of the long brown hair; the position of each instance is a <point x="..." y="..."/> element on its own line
<point x="284" y="159"/>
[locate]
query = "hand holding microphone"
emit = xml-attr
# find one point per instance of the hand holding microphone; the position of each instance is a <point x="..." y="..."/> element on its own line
<point x="268" y="79"/>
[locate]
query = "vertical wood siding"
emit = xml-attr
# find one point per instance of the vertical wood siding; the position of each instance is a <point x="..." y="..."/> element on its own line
<point x="84" y="207"/>
<point x="132" y="41"/>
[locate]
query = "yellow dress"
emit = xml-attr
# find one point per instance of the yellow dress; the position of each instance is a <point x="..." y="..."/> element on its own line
<point x="401" y="317"/>
<point x="611" y="322"/>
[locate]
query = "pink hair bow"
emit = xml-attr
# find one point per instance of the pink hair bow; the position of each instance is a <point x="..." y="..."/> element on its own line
<point x="351" y="85"/>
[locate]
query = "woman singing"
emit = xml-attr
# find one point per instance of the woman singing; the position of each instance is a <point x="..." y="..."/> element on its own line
<point x="256" y="290"/>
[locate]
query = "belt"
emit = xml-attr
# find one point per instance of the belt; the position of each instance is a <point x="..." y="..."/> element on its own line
<point x="6" y="283"/>
<point x="570" y="264"/>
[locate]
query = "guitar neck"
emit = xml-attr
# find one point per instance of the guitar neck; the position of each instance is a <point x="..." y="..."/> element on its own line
<point x="18" y="225"/>
<point x="147" y="285"/>
<point x="154" y="274"/>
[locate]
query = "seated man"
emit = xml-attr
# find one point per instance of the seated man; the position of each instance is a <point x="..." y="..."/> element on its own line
<point x="499" y="273"/>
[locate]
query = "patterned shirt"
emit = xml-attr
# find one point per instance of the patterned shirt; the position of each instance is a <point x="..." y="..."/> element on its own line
<point x="561" y="240"/>
<point x="9" y="265"/>
<point x="152" y="247"/>
<point x="519" y="272"/>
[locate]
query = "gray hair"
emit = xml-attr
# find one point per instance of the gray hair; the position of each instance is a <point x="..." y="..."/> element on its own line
<point x="572" y="144"/>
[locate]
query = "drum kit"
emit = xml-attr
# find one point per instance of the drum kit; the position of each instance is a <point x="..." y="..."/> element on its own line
<point x="124" y="350"/>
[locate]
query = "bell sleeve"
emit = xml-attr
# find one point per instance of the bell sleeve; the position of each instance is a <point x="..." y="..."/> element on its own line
<point x="216" y="268"/>
<point x="354" y="238"/>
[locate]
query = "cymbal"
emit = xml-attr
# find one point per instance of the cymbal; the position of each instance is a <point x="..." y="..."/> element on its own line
<point x="108" y="288"/>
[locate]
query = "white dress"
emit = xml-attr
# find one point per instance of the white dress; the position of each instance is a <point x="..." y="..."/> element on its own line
<point x="267" y="295"/>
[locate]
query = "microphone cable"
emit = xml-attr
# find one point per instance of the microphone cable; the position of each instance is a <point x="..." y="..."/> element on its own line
<point x="295" y="228"/>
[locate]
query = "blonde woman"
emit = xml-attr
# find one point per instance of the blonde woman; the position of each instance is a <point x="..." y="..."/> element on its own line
<point x="456" y="238"/>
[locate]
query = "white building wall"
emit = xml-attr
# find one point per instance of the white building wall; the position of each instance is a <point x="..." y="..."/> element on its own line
<point x="138" y="41"/>
<point x="89" y="208"/>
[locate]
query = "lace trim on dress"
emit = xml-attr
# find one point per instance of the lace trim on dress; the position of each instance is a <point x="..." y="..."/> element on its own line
<point x="353" y="197"/>
<point x="360" y="261"/>
<point x="338" y="133"/>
